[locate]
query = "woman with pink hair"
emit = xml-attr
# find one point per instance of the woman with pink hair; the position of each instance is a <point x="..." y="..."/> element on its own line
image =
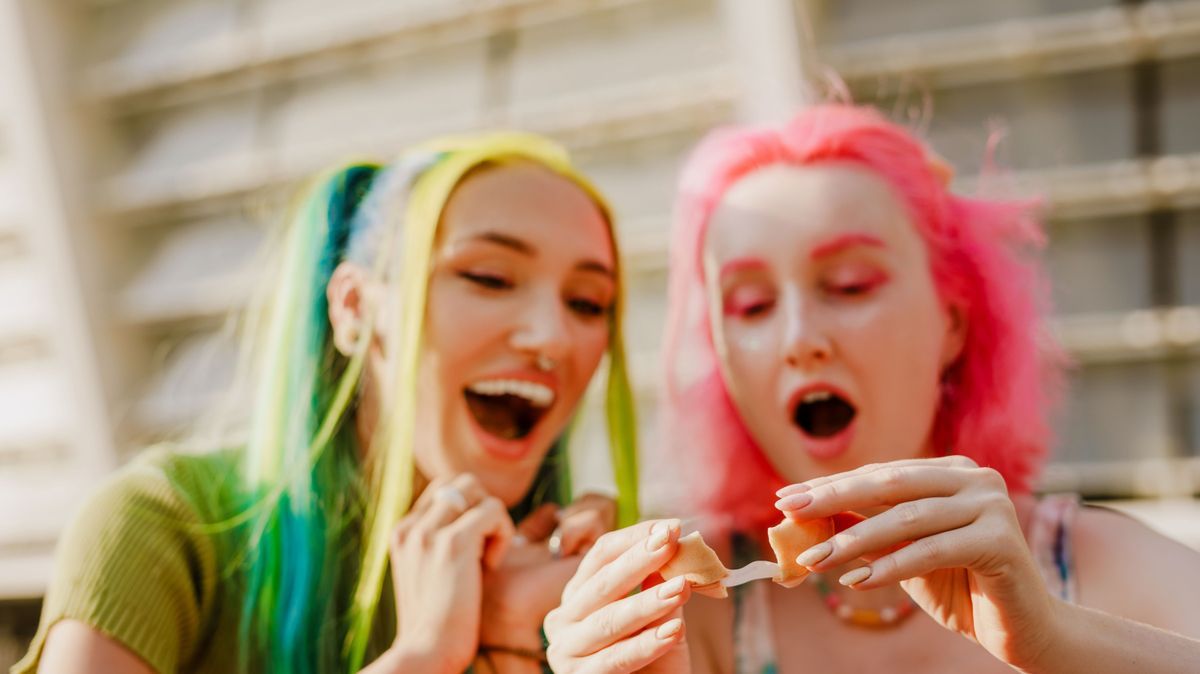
<point x="847" y="335"/>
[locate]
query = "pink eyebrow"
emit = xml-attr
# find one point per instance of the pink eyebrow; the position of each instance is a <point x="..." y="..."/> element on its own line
<point x="741" y="264"/>
<point x="840" y="243"/>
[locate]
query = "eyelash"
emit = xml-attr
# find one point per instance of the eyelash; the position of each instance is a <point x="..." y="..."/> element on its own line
<point x="487" y="280"/>
<point x="584" y="308"/>
<point x="853" y="290"/>
<point x="587" y="308"/>
<point x="753" y="310"/>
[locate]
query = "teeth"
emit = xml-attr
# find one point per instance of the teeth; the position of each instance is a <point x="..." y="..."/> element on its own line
<point x="817" y="396"/>
<point x="538" y="395"/>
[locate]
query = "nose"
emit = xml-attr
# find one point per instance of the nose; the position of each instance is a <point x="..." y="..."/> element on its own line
<point x="541" y="330"/>
<point x="806" y="342"/>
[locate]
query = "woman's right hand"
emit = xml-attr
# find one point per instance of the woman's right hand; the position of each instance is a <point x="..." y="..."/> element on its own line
<point x="600" y="628"/>
<point x="438" y="554"/>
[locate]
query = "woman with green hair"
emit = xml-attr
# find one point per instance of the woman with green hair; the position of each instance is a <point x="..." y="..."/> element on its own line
<point x="429" y="335"/>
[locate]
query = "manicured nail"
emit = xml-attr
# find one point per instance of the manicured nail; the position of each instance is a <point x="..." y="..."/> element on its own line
<point x="814" y="554"/>
<point x="671" y="588"/>
<point x="669" y="628"/>
<point x="856" y="576"/>
<point x="659" y="534"/>
<point x="794" y="501"/>
<point x="792" y="489"/>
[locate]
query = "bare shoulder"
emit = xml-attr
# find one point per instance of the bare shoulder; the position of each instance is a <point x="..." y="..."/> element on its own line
<point x="75" y="647"/>
<point x="1127" y="569"/>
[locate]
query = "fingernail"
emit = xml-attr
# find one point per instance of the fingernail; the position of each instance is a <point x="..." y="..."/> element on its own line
<point x="669" y="628"/>
<point x="659" y="533"/>
<point x="519" y="540"/>
<point x="814" y="554"/>
<point x="794" y="501"/>
<point x="671" y="588"/>
<point x="855" y="576"/>
<point x="792" y="489"/>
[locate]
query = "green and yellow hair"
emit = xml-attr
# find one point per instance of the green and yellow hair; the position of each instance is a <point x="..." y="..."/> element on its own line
<point x="313" y="517"/>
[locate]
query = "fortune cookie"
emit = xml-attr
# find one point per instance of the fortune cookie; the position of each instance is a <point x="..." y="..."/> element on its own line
<point x="699" y="564"/>
<point x="789" y="538"/>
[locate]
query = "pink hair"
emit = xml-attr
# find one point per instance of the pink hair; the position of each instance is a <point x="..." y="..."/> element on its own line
<point x="996" y="396"/>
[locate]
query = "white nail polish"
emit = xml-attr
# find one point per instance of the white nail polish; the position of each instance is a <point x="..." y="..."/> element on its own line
<point x="855" y="576"/>
<point x="669" y="628"/>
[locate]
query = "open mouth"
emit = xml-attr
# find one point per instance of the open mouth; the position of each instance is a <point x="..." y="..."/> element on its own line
<point x="508" y="408"/>
<point x="823" y="414"/>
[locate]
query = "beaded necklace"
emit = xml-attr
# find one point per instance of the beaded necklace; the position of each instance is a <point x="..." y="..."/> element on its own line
<point x="888" y="616"/>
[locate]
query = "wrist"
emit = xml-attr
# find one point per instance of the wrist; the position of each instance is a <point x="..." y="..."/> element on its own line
<point x="514" y="660"/>
<point x="1051" y="638"/>
<point x="409" y="657"/>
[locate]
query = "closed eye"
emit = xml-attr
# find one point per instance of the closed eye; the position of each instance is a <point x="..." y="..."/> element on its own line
<point x="489" y="281"/>
<point x="748" y="309"/>
<point x="587" y="308"/>
<point x="756" y="309"/>
<point x="853" y="290"/>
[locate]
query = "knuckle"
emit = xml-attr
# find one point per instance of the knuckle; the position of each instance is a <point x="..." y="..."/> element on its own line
<point x="960" y="461"/>
<point x="450" y="543"/>
<point x="989" y="479"/>
<point x="891" y="477"/>
<point x="928" y="549"/>
<point x="465" y="480"/>
<point x="488" y="505"/>
<point x="420" y="536"/>
<point x="831" y="491"/>
<point x="607" y="623"/>
<point x="396" y="539"/>
<point x="885" y="567"/>
<point x="622" y="660"/>
<point x="994" y="500"/>
<point x="591" y="518"/>
<point x="908" y="514"/>
<point x="605" y="543"/>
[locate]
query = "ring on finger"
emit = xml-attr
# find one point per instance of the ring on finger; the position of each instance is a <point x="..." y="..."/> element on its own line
<point x="554" y="543"/>
<point x="450" y="495"/>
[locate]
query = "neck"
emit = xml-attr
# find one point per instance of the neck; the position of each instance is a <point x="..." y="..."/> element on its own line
<point x="366" y="424"/>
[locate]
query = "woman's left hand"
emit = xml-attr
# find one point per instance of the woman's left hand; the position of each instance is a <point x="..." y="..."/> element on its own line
<point x="949" y="535"/>
<point x="529" y="582"/>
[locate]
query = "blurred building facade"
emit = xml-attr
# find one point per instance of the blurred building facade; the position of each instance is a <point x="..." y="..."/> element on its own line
<point x="145" y="146"/>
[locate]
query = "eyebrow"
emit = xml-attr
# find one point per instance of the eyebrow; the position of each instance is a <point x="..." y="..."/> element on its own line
<point x="507" y="241"/>
<point x="524" y="248"/>
<point x="741" y="264"/>
<point x="841" y="243"/>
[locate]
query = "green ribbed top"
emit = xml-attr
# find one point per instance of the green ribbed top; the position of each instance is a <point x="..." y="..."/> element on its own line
<point x="135" y="565"/>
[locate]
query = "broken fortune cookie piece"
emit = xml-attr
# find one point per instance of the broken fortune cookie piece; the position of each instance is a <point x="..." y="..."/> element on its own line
<point x="789" y="538"/>
<point x="699" y="564"/>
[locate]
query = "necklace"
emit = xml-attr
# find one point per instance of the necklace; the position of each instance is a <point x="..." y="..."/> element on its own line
<point x="888" y="616"/>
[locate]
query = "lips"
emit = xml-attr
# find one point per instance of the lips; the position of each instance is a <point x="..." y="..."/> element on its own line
<point x="508" y="408"/>
<point x="824" y="415"/>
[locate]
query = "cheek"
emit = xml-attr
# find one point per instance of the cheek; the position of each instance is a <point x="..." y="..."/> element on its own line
<point x="899" y="355"/>
<point x="589" y="343"/>
<point x="459" y="325"/>
<point x="751" y="367"/>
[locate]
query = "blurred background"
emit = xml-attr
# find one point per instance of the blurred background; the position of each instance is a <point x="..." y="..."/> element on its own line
<point x="146" y="146"/>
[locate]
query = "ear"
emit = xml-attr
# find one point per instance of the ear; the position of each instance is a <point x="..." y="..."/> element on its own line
<point x="347" y="293"/>
<point x="956" y="334"/>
